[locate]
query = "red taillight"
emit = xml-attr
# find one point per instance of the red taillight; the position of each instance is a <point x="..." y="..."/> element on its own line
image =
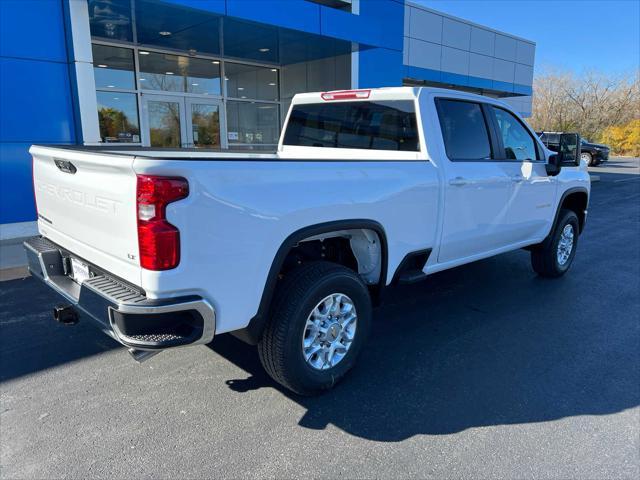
<point x="346" y="95"/>
<point x="158" y="240"/>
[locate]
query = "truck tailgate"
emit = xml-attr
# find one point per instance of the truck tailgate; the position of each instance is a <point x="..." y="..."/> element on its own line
<point x="86" y="203"/>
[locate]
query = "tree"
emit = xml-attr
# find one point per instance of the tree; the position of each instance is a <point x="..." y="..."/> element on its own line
<point x="589" y="103"/>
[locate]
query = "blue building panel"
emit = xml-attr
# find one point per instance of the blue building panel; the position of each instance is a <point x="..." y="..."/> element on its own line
<point x="16" y="190"/>
<point x="36" y="102"/>
<point x="380" y="67"/>
<point x="522" y="89"/>
<point x="419" y="73"/>
<point x="454" y="79"/>
<point x="477" y="82"/>
<point x="379" y="24"/>
<point x="32" y="29"/>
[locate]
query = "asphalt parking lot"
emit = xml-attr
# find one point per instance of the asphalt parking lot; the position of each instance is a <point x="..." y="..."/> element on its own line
<point x="482" y="371"/>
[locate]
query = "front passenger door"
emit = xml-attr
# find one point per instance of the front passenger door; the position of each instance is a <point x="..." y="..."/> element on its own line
<point x="533" y="191"/>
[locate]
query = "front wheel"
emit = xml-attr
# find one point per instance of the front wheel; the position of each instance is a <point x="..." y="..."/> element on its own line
<point x="554" y="256"/>
<point x="587" y="157"/>
<point x="318" y="324"/>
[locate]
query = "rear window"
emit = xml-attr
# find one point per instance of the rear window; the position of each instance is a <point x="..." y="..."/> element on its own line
<point x="389" y="125"/>
<point x="464" y="130"/>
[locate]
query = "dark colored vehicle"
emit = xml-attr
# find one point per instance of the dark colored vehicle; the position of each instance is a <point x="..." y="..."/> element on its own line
<point x="592" y="153"/>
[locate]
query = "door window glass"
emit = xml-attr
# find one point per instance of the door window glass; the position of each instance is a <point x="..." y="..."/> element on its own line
<point x="118" y="117"/>
<point x="464" y="130"/>
<point x="164" y="123"/>
<point x="113" y="67"/>
<point x="173" y="73"/>
<point x="205" y="125"/>
<point x="518" y="142"/>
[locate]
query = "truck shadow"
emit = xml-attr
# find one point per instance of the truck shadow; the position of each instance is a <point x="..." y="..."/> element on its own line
<point x="30" y="340"/>
<point x="484" y="344"/>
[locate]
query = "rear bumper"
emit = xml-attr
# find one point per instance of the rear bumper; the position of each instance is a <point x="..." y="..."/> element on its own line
<point x="119" y="310"/>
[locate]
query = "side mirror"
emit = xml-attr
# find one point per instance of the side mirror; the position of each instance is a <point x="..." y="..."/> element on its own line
<point x="569" y="151"/>
<point x="568" y="154"/>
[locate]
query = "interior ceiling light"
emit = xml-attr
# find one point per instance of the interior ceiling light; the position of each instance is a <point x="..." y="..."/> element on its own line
<point x="102" y="66"/>
<point x="143" y="52"/>
<point x="195" y="84"/>
<point x="264" y="50"/>
<point x="216" y="62"/>
<point x="142" y="79"/>
<point x="272" y="84"/>
<point x="240" y="88"/>
<point x="164" y="33"/>
<point x="274" y="69"/>
<point x="169" y="73"/>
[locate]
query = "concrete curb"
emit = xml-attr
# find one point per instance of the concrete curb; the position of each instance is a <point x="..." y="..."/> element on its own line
<point x="14" y="273"/>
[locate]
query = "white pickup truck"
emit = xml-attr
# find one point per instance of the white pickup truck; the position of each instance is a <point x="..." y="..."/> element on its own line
<point x="291" y="250"/>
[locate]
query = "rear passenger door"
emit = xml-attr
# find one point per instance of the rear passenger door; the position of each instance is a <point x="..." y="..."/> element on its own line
<point x="477" y="185"/>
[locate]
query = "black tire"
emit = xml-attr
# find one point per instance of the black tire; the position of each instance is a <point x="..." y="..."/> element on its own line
<point x="589" y="159"/>
<point x="544" y="257"/>
<point x="280" y="348"/>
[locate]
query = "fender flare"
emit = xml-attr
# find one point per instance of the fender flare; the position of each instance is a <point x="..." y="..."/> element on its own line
<point x="564" y="196"/>
<point x="253" y="332"/>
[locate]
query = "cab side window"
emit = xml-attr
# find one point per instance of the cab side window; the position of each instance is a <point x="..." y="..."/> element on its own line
<point x="516" y="139"/>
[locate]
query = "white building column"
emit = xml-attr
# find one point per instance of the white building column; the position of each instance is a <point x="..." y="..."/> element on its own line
<point x="81" y="69"/>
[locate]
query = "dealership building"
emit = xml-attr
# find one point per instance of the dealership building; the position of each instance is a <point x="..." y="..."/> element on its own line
<point x="217" y="73"/>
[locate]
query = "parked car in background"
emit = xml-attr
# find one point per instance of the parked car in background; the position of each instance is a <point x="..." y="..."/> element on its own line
<point x="592" y="153"/>
<point x="291" y="250"/>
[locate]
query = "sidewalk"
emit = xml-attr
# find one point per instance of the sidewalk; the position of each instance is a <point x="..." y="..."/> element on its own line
<point x="13" y="260"/>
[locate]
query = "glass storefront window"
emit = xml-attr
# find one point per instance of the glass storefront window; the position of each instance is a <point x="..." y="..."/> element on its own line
<point x="248" y="81"/>
<point x="173" y="73"/>
<point x="252" y="123"/>
<point x="113" y="67"/>
<point x="111" y="19"/>
<point x="118" y="116"/>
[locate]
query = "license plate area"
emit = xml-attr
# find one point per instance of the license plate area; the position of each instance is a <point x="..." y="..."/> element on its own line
<point x="79" y="270"/>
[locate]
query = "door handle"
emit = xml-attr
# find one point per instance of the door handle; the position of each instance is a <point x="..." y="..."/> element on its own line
<point x="458" y="182"/>
<point x="517" y="178"/>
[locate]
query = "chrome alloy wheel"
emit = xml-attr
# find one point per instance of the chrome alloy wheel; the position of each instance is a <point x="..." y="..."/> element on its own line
<point x="565" y="245"/>
<point x="329" y="331"/>
<point x="587" y="158"/>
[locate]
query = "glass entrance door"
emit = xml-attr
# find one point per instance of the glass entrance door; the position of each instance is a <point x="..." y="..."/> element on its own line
<point x="164" y="121"/>
<point x="205" y="123"/>
<point x="176" y="121"/>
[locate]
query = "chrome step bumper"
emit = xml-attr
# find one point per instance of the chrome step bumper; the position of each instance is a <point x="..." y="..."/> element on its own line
<point x="120" y="310"/>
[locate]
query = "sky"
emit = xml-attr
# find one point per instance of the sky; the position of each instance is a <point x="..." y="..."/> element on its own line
<point x="569" y="34"/>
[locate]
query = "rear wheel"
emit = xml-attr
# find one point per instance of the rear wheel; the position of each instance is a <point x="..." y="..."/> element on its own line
<point x="554" y="256"/>
<point x="587" y="157"/>
<point x="318" y="324"/>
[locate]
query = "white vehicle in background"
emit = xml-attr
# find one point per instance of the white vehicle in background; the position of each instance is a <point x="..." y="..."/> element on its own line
<point x="291" y="250"/>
